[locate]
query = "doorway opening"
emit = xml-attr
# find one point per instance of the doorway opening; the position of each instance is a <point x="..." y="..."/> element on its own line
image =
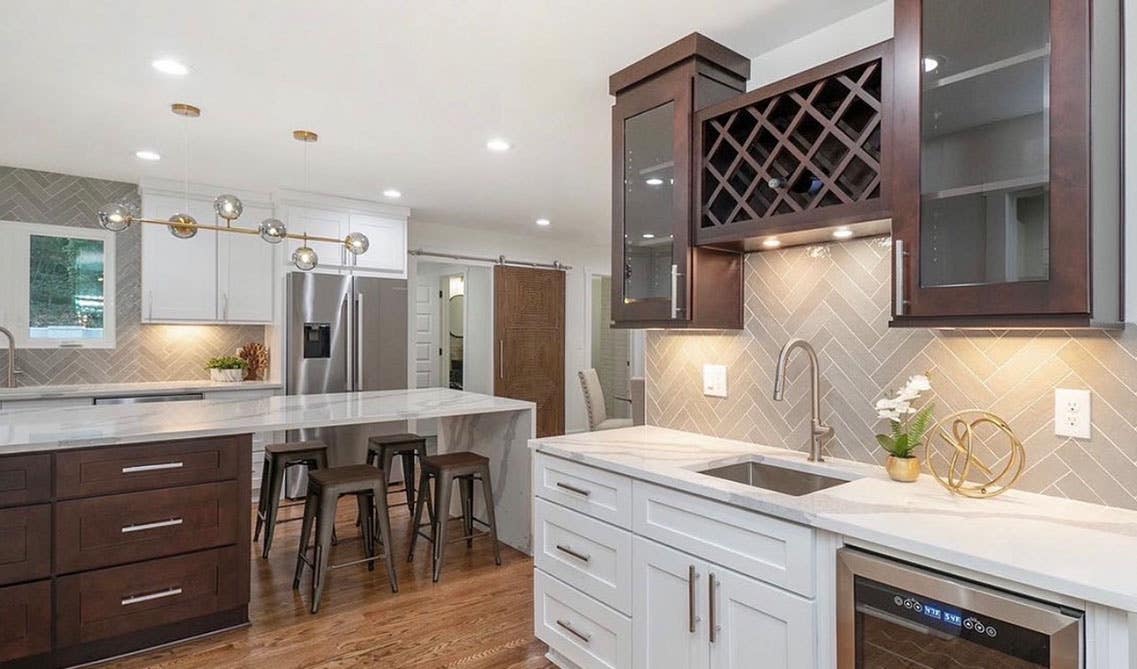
<point x="453" y="327"/>
<point x="611" y="350"/>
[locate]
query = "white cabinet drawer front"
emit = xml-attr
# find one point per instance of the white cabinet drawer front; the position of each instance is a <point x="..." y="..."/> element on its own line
<point x="591" y="491"/>
<point x="578" y="627"/>
<point x="765" y="548"/>
<point x="591" y="556"/>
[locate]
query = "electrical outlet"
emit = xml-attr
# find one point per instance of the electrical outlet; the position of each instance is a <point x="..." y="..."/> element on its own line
<point x="1072" y="413"/>
<point x="714" y="380"/>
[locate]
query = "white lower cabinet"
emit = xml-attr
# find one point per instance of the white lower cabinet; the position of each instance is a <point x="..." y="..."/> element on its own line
<point x="758" y="624"/>
<point x="579" y="628"/>
<point x="669" y="607"/>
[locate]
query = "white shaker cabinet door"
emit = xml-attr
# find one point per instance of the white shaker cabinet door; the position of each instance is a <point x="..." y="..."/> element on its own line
<point x="321" y="223"/>
<point x="388" y="251"/>
<point x="179" y="276"/>
<point x="245" y="269"/>
<point x="756" y="624"/>
<point x="669" y="606"/>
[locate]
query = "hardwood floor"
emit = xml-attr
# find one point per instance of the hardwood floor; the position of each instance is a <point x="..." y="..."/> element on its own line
<point x="479" y="616"/>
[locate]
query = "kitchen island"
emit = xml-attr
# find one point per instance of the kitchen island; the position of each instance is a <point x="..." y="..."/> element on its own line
<point x="129" y="525"/>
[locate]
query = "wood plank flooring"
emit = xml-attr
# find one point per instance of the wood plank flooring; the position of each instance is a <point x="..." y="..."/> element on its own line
<point x="479" y="616"/>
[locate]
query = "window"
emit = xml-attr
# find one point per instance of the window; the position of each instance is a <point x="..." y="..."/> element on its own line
<point x="58" y="285"/>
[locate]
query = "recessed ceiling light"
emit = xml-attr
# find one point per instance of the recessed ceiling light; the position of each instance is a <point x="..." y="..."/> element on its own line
<point x="654" y="181"/>
<point x="648" y="235"/>
<point x="543" y="222"/>
<point x="170" y="66"/>
<point x="392" y="193"/>
<point x="771" y="243"/>
<point x="497" y="144"/>
<point x="146" y="154"/>
<point x="931" y="63"/>
<point x="842" y="233"/>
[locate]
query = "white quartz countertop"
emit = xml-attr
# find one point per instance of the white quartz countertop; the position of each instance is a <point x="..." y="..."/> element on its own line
<point x="75" y="427"/>
<point x="129" y="389"/>
<point x="1075" y="549"/>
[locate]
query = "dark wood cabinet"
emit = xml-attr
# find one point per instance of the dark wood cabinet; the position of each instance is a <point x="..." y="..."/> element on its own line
<point x="25" y="543"/>
<point x="1006" y="180"/>
<point x="794" y="160"/>
<point x="25" y="624"/>
<point x="659" y="279"/>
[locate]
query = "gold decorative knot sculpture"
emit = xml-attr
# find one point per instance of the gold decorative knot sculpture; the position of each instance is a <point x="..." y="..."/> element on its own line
<point x="952" y="458"/>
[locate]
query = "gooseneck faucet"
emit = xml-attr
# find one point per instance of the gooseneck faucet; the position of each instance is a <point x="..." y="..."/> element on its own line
<point x="818" y="431"/>
<point x="11" y="382"/>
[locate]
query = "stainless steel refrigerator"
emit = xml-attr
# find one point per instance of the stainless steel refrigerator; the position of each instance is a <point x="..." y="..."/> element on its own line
<point x="345" y="333"/>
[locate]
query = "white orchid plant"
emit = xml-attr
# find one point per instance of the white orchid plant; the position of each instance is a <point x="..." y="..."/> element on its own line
<point x="908" y="424"/>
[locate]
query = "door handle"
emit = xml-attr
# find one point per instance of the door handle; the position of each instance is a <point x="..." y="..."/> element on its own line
<point x="225" y="306"/>
<point x="711" y="599"/>
<point x="149" y="305"/>
<point x="135" y="469"/>
<point x="501" y="358"/>
<point x="349" y="344"/>
<point x="692" y="617"/>
<point x="161" y="594"/>
<point x="359" y="340"/>
<point x="898" y="276"/>
<point x="142" y="527"/>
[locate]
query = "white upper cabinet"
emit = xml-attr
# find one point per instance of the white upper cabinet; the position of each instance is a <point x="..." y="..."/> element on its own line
<point x="333" y="216"/>
<point x="212" y="277"/>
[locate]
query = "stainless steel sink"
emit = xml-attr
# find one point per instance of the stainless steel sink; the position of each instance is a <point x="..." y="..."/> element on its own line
<point x="769" y="477"/>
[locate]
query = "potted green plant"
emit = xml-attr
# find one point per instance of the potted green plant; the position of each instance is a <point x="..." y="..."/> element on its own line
<point x="226" y="368"/>
<point x="908" y="425"/>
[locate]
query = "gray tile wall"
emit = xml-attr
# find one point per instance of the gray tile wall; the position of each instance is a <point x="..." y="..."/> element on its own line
<point x="143" y="352"/>
<point x="837" y="296"/>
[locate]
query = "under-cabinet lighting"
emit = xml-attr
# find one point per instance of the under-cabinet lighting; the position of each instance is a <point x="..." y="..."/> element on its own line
<point x="771" y="243"/>
<point x="842" y="233"/>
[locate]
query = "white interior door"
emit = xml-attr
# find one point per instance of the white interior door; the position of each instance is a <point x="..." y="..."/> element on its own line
<point x="669" y="626"/>
<point x="425" y="335"/>
<point x="758" y="620"/>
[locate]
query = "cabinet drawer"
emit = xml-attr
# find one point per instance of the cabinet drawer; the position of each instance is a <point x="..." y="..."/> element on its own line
<point x="764" y="548"/>
<point x="121" y="600"/>
<point x="25" y="479"/>
<point x="25" y="620"/>
<point x="591" y="556"/>
<point x="589" y="490"/>
<point x="116" y="529"/>
<point x="578" y="627"/>
<point x="25" y="543"/>
<point x="104" y="471"/>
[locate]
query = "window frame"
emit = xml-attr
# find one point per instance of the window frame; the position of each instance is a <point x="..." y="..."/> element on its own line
<point x="15" y="283"/>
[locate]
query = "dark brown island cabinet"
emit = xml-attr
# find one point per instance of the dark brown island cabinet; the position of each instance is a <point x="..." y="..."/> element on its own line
<point x="113" y="549"/>
<point x="1007" y="196"/>
<point x="660" y="279"/>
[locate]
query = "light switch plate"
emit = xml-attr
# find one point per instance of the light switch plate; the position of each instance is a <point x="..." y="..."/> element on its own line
<point x="714" y="380"/>
<point x="1072" y="413"/>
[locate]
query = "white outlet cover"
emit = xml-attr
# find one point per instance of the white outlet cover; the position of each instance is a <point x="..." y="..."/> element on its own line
<point x="1072" y="413"/>
<point x="714" y="380"/>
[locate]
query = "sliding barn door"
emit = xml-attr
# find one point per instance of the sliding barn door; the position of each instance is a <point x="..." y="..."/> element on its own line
<point x="529" y="333"/>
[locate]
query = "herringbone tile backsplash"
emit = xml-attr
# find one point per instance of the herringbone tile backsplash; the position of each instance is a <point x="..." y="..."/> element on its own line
<point x="837" y="297"/>
<point x="143" y="352"/>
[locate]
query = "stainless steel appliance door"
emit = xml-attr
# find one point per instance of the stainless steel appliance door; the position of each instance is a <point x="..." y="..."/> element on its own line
<point x="892" y="614"/>
<point x="317" y="342"/>
<point x="380" y="310"/>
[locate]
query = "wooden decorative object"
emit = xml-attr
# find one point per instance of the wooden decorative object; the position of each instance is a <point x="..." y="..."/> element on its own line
<point x="256" y="356"/>
<point x="952" y="459"/>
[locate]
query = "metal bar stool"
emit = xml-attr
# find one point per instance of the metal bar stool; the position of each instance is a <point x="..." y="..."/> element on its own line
<point x="444" y="470"/>
<point x="325" y="487"/>
<point x="381" y="451"/>
<point x="278" y="458"/>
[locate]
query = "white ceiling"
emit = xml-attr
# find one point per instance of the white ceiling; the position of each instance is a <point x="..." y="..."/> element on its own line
<point x="403" y="94"/>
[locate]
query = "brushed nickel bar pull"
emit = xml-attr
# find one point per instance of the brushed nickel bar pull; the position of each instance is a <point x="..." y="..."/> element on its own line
<point x="161" y="594"/>
<point x="691" y="617"/>
<point x="713" y="623"/>
<point x="142" y="527"/>
<point x="675" y="291"/>
<point x="586" y="638"/>
<point x="135" y="469"/>
<point x="501" y="358"/>
<point x="572" y="488"/>
<point x="898" y="276"/>
<point x="580" y="556"/>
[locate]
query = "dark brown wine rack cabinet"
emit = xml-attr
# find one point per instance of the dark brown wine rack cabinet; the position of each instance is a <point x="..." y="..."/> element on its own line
<point x="810" y="152"/>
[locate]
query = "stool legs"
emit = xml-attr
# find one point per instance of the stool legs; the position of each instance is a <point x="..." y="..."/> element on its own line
<point x="262" y="502"/>
<point x="408" y="459"/>
<point x="276" y="481"/>
<point x="305" y="537"/>
<point x="487" y="492"/>
<point x="424" y="493"/>
<point x="379" y="498"/>
<point x="325" y="522"/>
<point x="466" y="489"/>
<point x="442" y="488"/>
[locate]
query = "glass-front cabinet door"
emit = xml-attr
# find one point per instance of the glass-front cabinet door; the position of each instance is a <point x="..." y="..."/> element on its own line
<point x="651" y="200"/>
<point x="991" y="195"/>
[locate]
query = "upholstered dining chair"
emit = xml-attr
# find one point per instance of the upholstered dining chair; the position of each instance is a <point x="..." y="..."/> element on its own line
<point x="594" y="401"/>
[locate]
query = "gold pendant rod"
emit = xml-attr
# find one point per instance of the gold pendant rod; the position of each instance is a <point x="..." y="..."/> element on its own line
<point x="243" y="231"/>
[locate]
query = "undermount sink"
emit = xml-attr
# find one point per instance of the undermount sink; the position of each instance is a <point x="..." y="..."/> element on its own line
<point x="770" y="477"/>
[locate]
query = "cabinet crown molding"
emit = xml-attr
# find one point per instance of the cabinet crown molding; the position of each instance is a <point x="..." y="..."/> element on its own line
<point x="288" y="196"/>
<point x="201" y="191"/>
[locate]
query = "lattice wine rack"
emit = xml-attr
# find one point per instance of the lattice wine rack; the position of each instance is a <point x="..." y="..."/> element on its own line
<point x="775" y="159"/>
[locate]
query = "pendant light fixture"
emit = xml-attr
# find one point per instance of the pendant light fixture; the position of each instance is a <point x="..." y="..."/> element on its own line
<point x="118" y="216"/>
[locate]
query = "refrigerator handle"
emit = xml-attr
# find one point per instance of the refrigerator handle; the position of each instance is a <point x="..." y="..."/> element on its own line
<point x="359" y="341"/>
<point x="349" y="339"/>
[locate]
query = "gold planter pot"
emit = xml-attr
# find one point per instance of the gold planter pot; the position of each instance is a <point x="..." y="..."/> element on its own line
<point x="905" y="470"/>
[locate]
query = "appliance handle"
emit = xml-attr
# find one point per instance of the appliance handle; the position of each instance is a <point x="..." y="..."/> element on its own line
<point x="349" y="343"/>
<point x="358" y="341"/>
